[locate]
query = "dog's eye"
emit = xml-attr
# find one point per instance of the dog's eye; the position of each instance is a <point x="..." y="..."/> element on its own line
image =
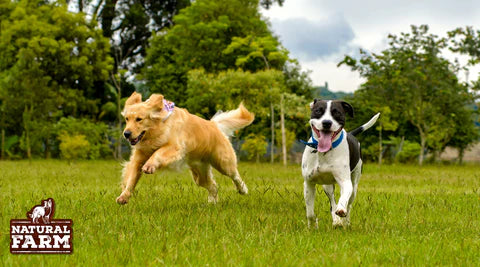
<point x="138" y="119"/>
<point x="126" y="119"/>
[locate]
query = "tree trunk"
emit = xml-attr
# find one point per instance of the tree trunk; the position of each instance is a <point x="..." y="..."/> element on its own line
<point x="80" y="5"/>
<point x="461" y="153"/>
<point x="423" y="142"/>
<point x="282" y="128"/>
<point x="95" y="13"/>
<point x="380" y="146"/>
<point x="27" y="143"/>
<point x="399" y="149"/>
<point x="26" y="119"/>
<point x="118" y="145"/>
<point x="258" y="158"/>
<point x="272" y="126"/>
<point x="47" y="147"/>
<point x="107" y="16"/>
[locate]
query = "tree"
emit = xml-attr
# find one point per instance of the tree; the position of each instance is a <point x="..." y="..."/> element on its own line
<point x="229" y="88"/>
<point x="50" y="62"/>
<point x="467" y="41"/>
<point x="465" y="135"/>
<point x="261" y="53"/>
<point x="416" y="82"/>
<point x="298" y="85"/>
<point x="201" y="33"/>
<point x="372" y="102"/>
<point x="255" y="145"/>
<point x="128" y="24"/>
<point x="257" y="53"/>
<point x="268" y="3"/>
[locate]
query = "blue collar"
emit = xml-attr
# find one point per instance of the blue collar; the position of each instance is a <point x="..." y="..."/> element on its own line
<point x="314" y="143"/>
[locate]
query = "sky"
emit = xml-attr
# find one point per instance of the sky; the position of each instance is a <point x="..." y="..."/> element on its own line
<point x="319" y="33"/>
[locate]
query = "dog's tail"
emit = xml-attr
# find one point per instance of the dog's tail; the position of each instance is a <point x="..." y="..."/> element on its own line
<point x="233" y="120"/>
<point x="367" y="125"/>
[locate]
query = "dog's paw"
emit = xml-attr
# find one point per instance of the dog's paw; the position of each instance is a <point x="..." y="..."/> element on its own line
<point x="312" y="222"/>
<point x="212" y="199"/>
<point x="122" y="200"/>
<point x="339" y="222"/>
<point x="149" y="168"/>
<point x="339" y="225"/>
<point x="243" y="189"/>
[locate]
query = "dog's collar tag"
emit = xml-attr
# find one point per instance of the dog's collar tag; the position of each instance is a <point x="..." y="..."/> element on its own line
<point x="314" y="142"/>
<point x="169" y="107"/>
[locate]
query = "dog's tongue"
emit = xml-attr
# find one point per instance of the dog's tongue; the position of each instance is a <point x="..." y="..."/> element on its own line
<point x="324" y="142"/>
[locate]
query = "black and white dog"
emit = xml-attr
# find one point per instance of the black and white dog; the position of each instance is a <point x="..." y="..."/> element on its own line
<point x="332" y="156"/>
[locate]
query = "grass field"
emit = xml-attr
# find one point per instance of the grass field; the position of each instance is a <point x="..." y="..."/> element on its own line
<point x="403" y="215"/>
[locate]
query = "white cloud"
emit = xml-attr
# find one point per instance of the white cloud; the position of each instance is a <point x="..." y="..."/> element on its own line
<point x="309" y="40"/>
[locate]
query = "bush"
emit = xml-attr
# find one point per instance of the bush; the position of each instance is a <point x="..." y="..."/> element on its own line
<point x="97" y="132"/>
<point x="74" y="147"/>
<point x="255" y="146"/>
<point x="370" y="153"/>
<point x="409" y="153"/>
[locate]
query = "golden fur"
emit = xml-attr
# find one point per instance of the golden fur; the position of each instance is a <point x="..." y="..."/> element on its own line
<point x="181" y="137"/>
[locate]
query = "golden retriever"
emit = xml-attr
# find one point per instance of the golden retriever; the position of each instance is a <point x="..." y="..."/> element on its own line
<point x="161" y="134"/>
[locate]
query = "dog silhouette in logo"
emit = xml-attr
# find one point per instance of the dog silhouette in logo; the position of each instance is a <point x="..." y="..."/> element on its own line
<point x="44" y="212"/>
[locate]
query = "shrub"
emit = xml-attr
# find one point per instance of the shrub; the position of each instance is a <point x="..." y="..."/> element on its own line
<point x="74" y="147"/>
<point x="255" y="146"/>
<point x="409" y="153"/>
<point x="97" y="133"/>
<point x="370" y="153"/>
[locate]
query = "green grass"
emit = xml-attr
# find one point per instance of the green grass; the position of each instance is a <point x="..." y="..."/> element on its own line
<point x="403" y="215"/>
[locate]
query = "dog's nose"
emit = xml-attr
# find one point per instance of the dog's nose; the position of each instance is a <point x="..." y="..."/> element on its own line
<point x="127" y="134"/>
<point x="327" y="124"/>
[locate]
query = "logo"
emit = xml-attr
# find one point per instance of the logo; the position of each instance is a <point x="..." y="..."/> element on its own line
<point x="40" y="234"/>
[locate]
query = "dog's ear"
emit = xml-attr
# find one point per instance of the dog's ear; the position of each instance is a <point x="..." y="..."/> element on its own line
<point x="347" y="107"/>
<point x="313" y="103"/>
<point x="133" y="99"/>
<point x="155" y="103"/>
